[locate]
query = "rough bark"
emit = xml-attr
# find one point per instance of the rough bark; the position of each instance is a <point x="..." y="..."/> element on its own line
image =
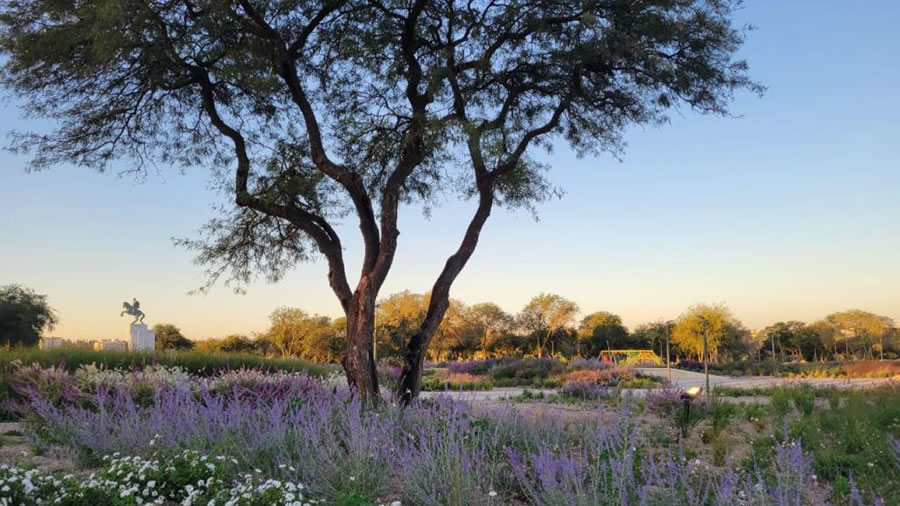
<point x="411" y="376"/>
<point x="358" y="360"/>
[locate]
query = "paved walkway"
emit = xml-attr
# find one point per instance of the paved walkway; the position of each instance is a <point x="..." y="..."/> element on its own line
<point x="681" y="378"/>
<point x="686" y="378"/>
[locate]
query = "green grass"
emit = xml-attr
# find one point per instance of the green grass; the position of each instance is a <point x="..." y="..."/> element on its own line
<point x="850" y="438"/>
<point x="194" y="362"/>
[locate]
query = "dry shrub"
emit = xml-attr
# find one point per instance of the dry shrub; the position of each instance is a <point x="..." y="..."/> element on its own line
<point x="608" y="376"/>
<point x="872" y="369"/>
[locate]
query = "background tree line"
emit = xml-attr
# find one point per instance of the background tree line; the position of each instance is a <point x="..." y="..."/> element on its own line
<point x="546" y="326"/>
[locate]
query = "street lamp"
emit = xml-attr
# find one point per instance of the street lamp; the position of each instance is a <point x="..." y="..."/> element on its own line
<point x="668" y="357"/>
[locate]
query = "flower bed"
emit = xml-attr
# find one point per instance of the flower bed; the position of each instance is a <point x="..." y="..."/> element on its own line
<point x="346" y="452"/>
<point x="187" y="478"/>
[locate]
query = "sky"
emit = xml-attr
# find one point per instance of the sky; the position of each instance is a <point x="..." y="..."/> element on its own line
<point x="789" y="211"/>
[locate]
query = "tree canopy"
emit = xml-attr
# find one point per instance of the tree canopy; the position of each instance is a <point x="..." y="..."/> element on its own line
<point x="294" y="332"/>
<point x="715" y="321"/>
<point x="602" y="330"/>
<point x="545" y="315"/>
<point x="169" y="337"/>
<point x="24" y="315"/>
<point x="310" y="111"/>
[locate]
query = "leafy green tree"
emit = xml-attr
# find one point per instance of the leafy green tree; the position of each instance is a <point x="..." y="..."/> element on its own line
<point x="293" y="332"/>
<point x="169" y="337"/>
<point x="602" y="330"/>
<point x="715" y="321"/>
<point x="24" y="314"/>
<point x="653" y="335"/>
<point x="544" y="316"/>
<point x="490" y="323"/>
<point x="235" y="343"/>
<point x="329" y="108"/>
<point x="860" y="326"/>
<point x="400" y="316"/>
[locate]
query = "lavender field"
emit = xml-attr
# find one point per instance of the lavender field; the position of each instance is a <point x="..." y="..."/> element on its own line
<point x="164" y="436"/>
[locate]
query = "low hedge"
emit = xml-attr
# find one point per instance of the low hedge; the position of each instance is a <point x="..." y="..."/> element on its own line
<point x="193" y="362"/>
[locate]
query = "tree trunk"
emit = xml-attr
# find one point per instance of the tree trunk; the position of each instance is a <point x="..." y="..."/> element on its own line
<point x="359" y="360"/>
<point x="411" y="376"/>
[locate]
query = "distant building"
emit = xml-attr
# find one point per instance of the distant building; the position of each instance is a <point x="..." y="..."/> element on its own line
<point x="107" y="345"/>
<point x="49" y="343"/>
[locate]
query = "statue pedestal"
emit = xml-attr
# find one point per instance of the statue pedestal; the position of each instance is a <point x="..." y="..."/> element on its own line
<point x="141" y="338"/>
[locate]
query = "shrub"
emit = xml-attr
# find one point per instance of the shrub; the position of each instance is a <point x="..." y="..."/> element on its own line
<point x="781" y="399"/>
<point x="872" y="369"/>
<point x="456" y="382"/>
<point x="184" y="478"/>
<point x="586" y="391"/>
<point x="526" y="370"/>
<point x="804" y="400"/>
<point x="191" y="361"/>
<point x="477" y="367"/>
<point x="610" y="376"/>
<point x="587" y="363"/>
<point x="664" y="401"/>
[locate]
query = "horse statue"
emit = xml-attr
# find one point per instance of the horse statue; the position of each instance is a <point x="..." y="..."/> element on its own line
<point x="134" y="310"/>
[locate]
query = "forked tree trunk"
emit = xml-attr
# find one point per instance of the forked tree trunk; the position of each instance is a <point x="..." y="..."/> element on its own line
<point x="411" y="376"/>
<point x="359" y="361"/>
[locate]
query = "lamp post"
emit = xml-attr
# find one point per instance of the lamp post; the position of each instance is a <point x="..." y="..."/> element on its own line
<point x="705" y="352"/>
<point x="668" y="357"/>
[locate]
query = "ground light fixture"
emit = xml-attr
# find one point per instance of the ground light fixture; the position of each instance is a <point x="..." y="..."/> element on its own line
<point x="690" y="393"/>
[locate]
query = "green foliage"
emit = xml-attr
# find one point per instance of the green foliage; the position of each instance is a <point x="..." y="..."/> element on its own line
<point x="526" y="371"/>
<point x="294" y="333"/>
<point x="688" y="415"/>
<point x="169" y="337"/>
<point x="191" y="361"/>
<point x="781" y="402"/>
<point x="602" y="330"/>
<point x="544" y="316"/>
<point x="716" y="322"/>
<point x="236" y="343"/>
<point x="804" y="400"/>
<point x="850" y="439"/>
<point x="434" y="383"/>
<point x="24" y="314"/>
<point x="721" y="412"/>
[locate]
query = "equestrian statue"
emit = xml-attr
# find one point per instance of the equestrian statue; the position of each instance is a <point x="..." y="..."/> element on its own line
<point x="134" y="309"/>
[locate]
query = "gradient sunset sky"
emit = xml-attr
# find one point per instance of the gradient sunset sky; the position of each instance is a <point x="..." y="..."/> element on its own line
<point x="790" y="212"/>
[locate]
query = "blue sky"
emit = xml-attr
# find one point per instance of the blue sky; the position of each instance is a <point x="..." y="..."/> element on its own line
<point x="789" y="212"/>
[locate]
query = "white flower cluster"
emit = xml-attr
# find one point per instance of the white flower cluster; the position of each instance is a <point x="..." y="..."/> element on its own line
<point x="189" y="479"/>
<point x="18" y="485"/>
<point x="255" y="491"/>
<point x="90" y="377"/>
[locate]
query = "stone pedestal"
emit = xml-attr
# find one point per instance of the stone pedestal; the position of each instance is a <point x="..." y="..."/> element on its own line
<point x="141" y="338"/>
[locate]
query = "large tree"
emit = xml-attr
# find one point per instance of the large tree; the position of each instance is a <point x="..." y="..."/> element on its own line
<point x="490" y="323"/>
<point x="862" y="326"/>
<point x="169" y="337"/>
<point x="601" y="330"/>
<point x="323" y="109"/>
<point x="296" y="333"/>
<point x="24" y="314"/>
<point x="714" y="321"/>
<point x="400" y="316"/>
<point x="545" y="316"/>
